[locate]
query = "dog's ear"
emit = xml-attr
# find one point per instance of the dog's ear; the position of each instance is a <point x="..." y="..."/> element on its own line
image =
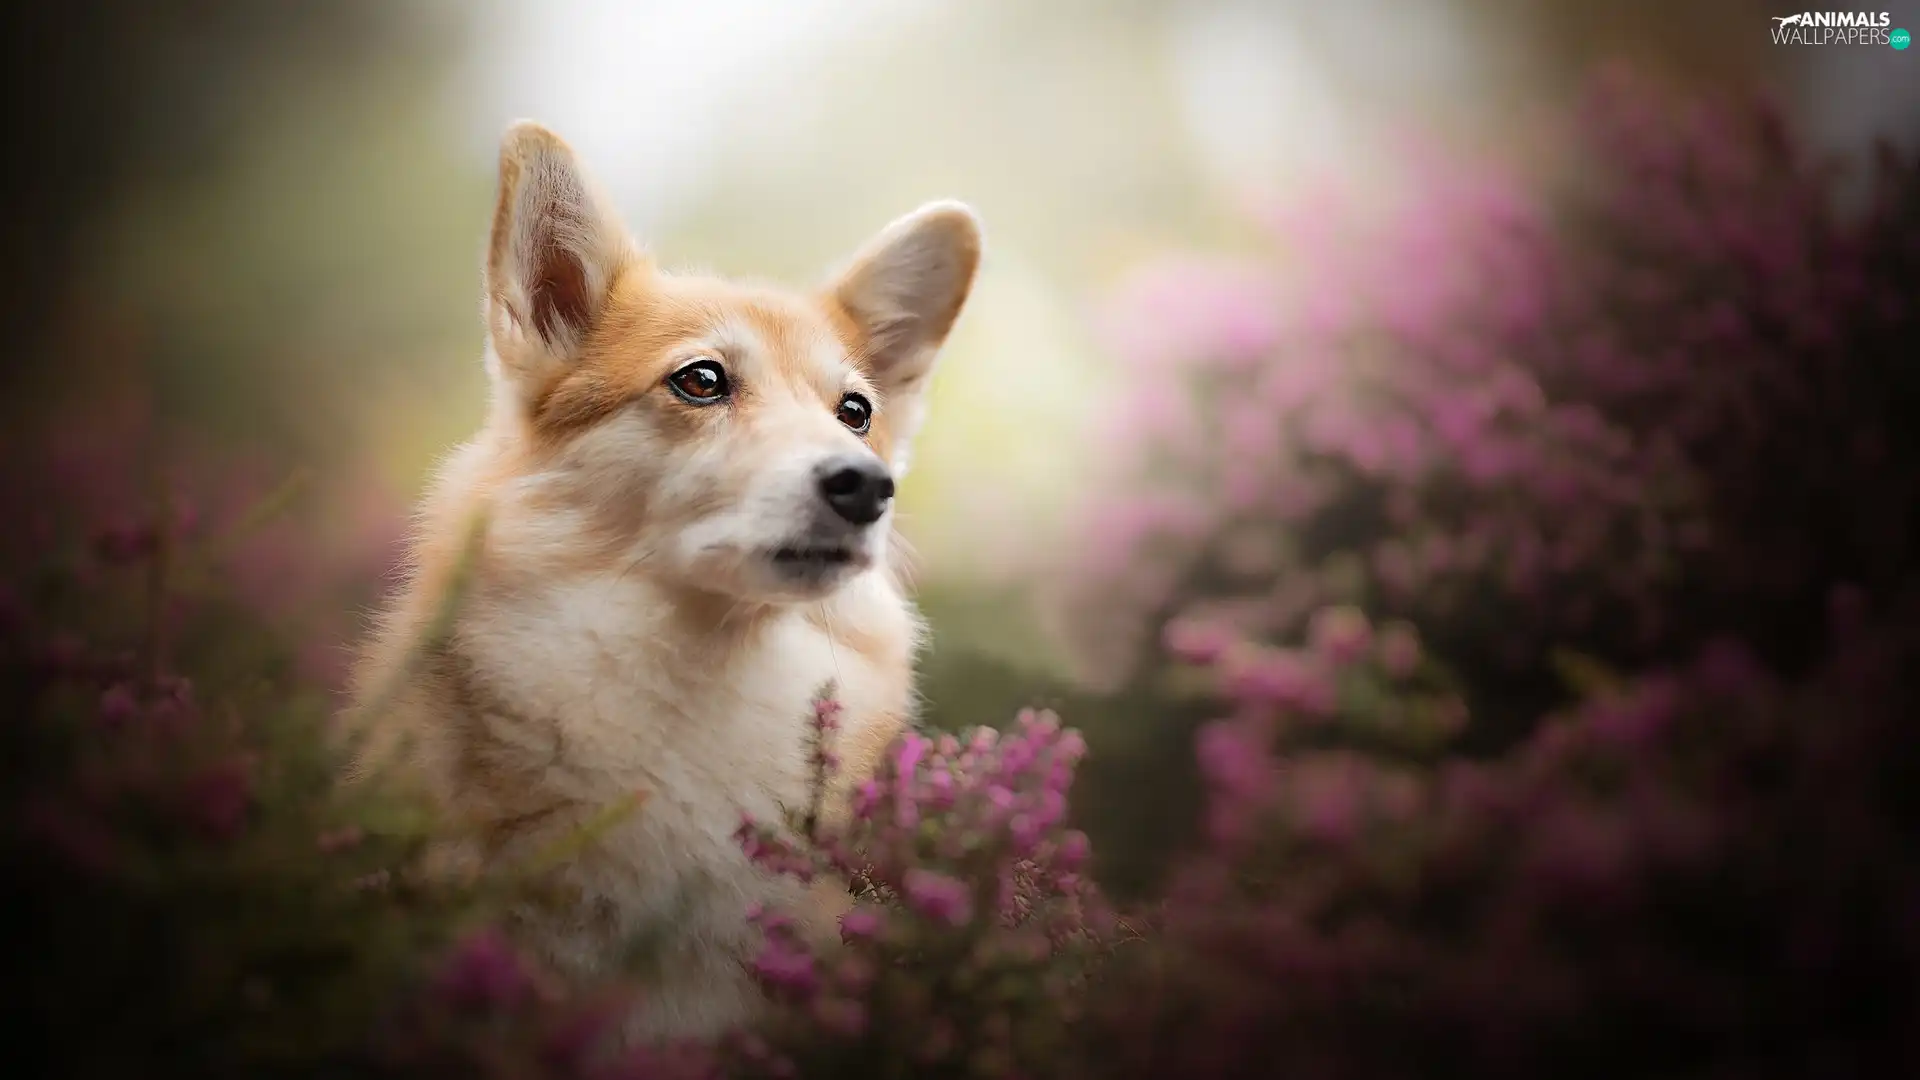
<point x="901" y="295"/>
<point x="555" y="251"/>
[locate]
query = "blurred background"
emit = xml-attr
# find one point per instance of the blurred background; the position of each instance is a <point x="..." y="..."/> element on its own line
<point x="255" y="228"/>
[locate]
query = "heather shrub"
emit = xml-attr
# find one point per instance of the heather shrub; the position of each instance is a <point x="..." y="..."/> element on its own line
<point x="977" y="925"/>
<point x="189" y="886"/>
<point x="1650" y="397"/>
<point x="1546" y="547"/>
<point x="1701" y="871"/>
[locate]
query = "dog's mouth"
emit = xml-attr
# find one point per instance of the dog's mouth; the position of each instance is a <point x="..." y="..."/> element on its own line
<point x="812" y="557"/>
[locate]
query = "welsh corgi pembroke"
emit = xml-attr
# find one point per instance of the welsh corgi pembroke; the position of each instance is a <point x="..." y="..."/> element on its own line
<point x="684" y="489"/>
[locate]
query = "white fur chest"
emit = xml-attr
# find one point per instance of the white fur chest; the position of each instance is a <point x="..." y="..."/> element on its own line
<point x="593" y="690"/>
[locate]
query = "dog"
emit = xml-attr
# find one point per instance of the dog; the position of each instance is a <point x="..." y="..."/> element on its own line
<point x="683" y="491"/>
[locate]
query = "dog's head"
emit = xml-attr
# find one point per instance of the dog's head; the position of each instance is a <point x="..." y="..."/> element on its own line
<point x="739" y="440"/>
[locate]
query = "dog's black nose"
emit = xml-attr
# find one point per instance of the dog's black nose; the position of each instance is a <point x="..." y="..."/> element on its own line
<point x="858" y="489"/>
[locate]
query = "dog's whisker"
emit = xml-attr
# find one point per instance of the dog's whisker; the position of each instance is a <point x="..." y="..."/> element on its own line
<point x="833" y="646"/>
<point x="636" y="563"/>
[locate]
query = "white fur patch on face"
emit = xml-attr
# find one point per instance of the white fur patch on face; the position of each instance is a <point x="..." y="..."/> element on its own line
<point x="737" y="338"/>
<point x="834" y="371"/>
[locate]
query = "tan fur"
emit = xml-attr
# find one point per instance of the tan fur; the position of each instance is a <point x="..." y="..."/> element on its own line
<point x="620" y="630"/>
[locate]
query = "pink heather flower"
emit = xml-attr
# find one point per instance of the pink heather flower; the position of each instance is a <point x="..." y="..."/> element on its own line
<point x="1370" y="452"/>
<point x="1247" y="331"/>
<point x="1050" y="805"/>
<point x="940" y="790"/>
<point x="1016" y="755"/>
<point x="1396" y="795"/>
<point x="572" y="1044"/>
<point x="1727" y="667"/>
<point x="1072" y="852"/>
<point x="866" y="800"/>
<point x="1306" y="374"/>
<point x="940" y="1041"/>
<point x="1450" y="716"/>
<point x="1328" y="796"/>
<point x="853" y="973"/>
<point x="1456" y="417"/>
<point x="118" y="706"/>
<point x="938" y="897"/>
<point x="1243" y="488"/>
<point x="1197" y="641"/>
<point x="1636" y="717"/>
<point x="63" y="654"/>
<point x="1229" y="821"/>
<point x="218" y="799"/>
<point x="785" y="965"/>
<point x="826" y="712"/>
<point x="1069" y="745"/>
<point x="1234" y="760"/>
<point x="1252" y="432"/>
<point x="1402" y="447"/>
<point x="769" y="919"/>
<point x="840" y="1016"/>
<point x="1470" y="787"/>
<point x="1489" y="458"/>
<point x="1581" y="851"/>
<point x="1398" y="647"/>
<point x="1553" y="745"/>
<point x="1669" y="828"/>
<point x="1340" y="634"/>
<point x="171" y="709"/>
<point x="324" y="662"/>
<point x="484" y="972"/>
<point x="906" y="760"/>
<point x="340" y="839"/>
<point x="1439" y="554"/>
<point x="860" y="923"/>
<point x="1001" y="799"/>
<point x="1250" y="553"/>
<point x="1396" y="567"/>
<point x="126" y="543"/>
<point x="1282" y="677"/>
<point x="1332" y="426"/>
<point x="1524" y="557"/>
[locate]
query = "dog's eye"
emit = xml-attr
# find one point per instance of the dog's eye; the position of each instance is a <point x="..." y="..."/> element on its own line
<point x="702" y="382"/>
<point x="855" y="413"/>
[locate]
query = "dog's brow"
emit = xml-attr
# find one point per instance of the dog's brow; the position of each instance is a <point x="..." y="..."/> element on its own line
<point x="830" y="359"/>
<point x="857" y="380"/>
<point x="735" y="337"/>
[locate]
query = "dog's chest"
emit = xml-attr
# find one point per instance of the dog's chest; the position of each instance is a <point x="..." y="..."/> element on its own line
<point x="616" y="696"/>
<point x="635" y="699"/>
<point x="595" y="695"/>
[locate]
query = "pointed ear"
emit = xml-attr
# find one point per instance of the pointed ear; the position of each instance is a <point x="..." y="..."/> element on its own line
<point x="902" y="293"/>
<point x="555" y="252"/>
